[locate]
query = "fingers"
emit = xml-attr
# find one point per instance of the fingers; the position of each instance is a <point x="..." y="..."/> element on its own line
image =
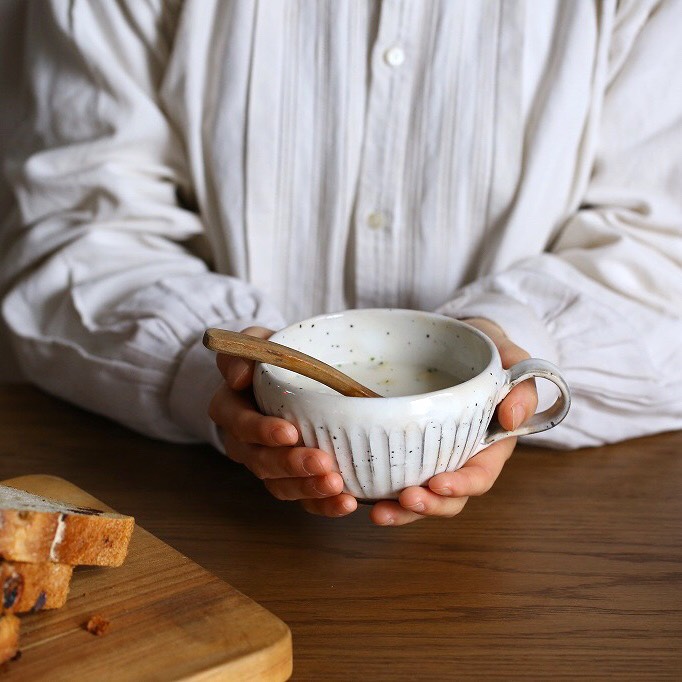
<point x="236" y="414"/>
<point x="237" y="372"/>
<point x="522" y="401"/>
<point x="263" y="444"/>
<point x="415" y="503"/>
<point x="337" y="505"/>
<point x="447" y="493"/>
<point x="478" y="475"/>
<point x="304" y="488"/>
<point x="297" y="473"/>
<point x="518" y="405"/>
<point x="277" y="463"/>
<point x="266" y="446"/>
<point x="289" y="473"/>
<point x="259" y="441"/>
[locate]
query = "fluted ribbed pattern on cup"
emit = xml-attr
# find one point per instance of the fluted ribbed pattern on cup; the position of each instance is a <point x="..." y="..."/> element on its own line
<point x="376" y="462"/>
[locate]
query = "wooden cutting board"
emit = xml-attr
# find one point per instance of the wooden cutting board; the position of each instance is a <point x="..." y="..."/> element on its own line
<point x="169" y="619"/>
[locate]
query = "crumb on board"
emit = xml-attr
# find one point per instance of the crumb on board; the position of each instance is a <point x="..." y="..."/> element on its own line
<point x="97" y="625"/>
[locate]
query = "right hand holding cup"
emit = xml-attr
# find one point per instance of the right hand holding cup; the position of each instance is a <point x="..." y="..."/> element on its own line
<point x="270" y="446"/>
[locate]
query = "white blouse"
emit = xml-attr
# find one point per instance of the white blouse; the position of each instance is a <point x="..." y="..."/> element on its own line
<point x="235" y="162"/>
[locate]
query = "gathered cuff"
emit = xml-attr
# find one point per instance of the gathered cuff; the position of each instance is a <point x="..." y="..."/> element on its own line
<point x="518" y="321"/>
<point x="196" y="380"/>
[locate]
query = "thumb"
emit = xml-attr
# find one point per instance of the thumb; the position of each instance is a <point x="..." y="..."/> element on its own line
<point x="237" y="372"/>
<point x="522" y="401"/>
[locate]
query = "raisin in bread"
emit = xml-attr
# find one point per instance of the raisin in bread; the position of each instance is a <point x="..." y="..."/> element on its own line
<point x="37" y="529"/>
<point x="32" y="587"/>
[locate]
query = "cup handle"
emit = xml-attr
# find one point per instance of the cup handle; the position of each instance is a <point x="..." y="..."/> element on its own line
<point x="549" y="418"/>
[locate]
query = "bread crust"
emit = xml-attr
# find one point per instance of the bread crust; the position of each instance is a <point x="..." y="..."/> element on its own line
<point x="32" y="587"/>
<point x="35" y="529"/>
<point x="9" y="637"/>
<point x="34" y="536"/>
<point x="40" y="542"/>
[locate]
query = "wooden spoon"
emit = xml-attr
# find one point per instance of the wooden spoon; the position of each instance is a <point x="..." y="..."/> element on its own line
<point x="253" y="348"/>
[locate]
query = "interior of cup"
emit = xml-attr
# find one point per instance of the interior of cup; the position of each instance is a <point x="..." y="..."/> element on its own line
<point x="396" y="352"/>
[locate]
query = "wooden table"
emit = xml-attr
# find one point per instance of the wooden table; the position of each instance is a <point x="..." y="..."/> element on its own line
<point x="570" y="567"/>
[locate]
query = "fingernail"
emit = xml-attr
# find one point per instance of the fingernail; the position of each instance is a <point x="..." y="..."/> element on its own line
<point x="312" y="466"/>
<point x="443" y="491"/>
<point x="518" y="414"/>
<point x="348" y="506"/>
<point x="417" y="507"/>
<point x="322" y="486"/>
<point x="388" y="521"/>
<point x="344" y="509"/>
<point x="238" y="368"/>
<point x="283" y="436"/>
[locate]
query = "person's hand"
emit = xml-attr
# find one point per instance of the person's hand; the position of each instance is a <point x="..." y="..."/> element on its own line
<point x="447" y="493"/>
<point x="270" y="446"/>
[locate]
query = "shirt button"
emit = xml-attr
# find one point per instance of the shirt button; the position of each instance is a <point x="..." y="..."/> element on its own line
<point x="394" y="56"/>
<point x="376" y="220"/>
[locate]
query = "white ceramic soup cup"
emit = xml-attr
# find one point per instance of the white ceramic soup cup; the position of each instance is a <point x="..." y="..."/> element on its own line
<point x="383" y="445"/>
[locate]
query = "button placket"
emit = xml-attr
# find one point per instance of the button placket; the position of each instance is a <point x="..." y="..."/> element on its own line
<point x="378" y="182"/>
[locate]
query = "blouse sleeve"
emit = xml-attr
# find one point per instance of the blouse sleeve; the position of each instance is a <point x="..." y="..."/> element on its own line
<point x="107" y="302"/>
<point x="605" y="301"/>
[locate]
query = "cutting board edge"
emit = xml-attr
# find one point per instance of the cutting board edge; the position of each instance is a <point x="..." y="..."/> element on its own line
<point x="278" y="653"/>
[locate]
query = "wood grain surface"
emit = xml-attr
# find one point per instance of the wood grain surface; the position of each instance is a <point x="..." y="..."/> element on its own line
<point x="570" y="568"/>
<point x="167" y="618"/>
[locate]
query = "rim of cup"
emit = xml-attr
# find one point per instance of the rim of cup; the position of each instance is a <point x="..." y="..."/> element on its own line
<point x="281" y="376"/>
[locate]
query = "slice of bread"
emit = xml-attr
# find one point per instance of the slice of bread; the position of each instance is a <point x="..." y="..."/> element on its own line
<point x="32" y="587"/>
<point x="9" y="637"/>
<point x="37" y="529"/>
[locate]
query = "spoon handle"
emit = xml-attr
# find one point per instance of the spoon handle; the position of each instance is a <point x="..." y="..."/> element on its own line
<point x="253" y="348"/>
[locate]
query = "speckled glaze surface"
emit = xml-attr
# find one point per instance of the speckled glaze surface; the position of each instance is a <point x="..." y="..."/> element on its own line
<point x="383" y="445"/>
